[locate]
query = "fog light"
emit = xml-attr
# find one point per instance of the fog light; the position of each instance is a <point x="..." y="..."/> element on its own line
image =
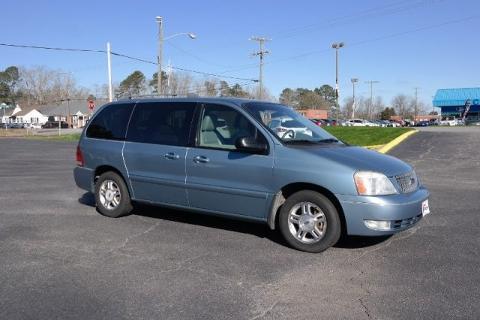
<point x="378" y="225"/>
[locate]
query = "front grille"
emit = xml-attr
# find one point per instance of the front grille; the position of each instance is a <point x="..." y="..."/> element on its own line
<point x="405" y="223"/>
<point x="407" y="182"/>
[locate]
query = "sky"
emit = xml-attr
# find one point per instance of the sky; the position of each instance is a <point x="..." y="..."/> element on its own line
<point x="429" y="44"/>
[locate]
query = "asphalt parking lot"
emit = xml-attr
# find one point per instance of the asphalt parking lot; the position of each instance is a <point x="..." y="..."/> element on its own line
<point x="60" y="259"/>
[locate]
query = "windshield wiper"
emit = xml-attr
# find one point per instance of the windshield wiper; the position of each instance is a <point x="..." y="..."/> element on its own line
<point x="329" y="140"/>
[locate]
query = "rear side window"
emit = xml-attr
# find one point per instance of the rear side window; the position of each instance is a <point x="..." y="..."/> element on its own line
<point x="166" y="123"/>
<point x="111" y="122"/>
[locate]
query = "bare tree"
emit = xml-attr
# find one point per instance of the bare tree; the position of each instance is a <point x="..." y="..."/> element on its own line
<point x="41" y="85"/>
<point x="210" y="87"/>
<point x="377" y="107"/>
<point x="348" y="107"/>
<point x="401" y="104"/>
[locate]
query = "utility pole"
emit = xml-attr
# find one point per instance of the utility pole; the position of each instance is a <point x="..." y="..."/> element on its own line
<point x="261" y="53"/>
<point x="109" y="64"/>
<point x="160" y="54"/>
<point x="370" y="106"/>
<point x="354" y="81"/>
<point x="415" y="111"/>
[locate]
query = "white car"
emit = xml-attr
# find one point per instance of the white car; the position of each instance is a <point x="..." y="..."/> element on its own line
<point x="448" y="122"/>
<point x="356" y="123"/>
<point x="394" y="124"/>
<point x="35" y="126"/>
<point x="288" y="127"/>
<point x="371" y="124"/>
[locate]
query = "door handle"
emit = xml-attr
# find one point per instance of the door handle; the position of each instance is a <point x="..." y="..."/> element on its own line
<point x="200" y="159"/>
<point x="172" y="156"/>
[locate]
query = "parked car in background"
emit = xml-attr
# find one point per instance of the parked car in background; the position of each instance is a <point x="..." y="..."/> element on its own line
<point x="311" y="187"/>
<point x="16" y="125"/>
<point x="448" y="122"/>
<point x="319" y="122"/>
<point x="35" y="126"/>
<point x="356" y="123"/>
<point x="422" y="124"/>
<point x="288" y="127"/>
<point x="54" y="125"/>
<point x="394" y="124"/>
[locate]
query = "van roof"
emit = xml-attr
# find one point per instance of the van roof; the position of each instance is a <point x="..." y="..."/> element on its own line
<point x="234" y="100"/>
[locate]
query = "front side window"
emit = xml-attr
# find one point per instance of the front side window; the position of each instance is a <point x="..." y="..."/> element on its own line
<point x="222" y="126"/>
<point x="166" y="123"/>
<point x="288" y="125"/>
<point x="110" y="123"/>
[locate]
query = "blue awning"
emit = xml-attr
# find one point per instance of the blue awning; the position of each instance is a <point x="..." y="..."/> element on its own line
<point x="456" y="97"/>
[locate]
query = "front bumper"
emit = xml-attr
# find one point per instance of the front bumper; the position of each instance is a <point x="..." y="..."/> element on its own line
<point x="84" y="178"/>
<point x="403" y="210"/>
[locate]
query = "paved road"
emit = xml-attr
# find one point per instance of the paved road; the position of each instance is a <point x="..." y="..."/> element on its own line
<point x="60" y="259"/>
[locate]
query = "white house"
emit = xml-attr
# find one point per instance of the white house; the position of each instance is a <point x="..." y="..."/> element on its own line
<point x="26" y="115"/>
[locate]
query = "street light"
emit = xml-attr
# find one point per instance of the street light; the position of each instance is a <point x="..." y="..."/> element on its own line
<point x="161" y="39"/>
<point x="354" y="80"/>
<point x="337" y="46"/>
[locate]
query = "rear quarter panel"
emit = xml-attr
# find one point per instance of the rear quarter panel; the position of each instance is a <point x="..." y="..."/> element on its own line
<point x="99" y="152"/>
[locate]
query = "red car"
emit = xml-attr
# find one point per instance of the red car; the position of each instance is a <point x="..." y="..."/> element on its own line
<point x="319" y="122"/>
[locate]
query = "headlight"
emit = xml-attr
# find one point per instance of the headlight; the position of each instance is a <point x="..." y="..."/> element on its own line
<point x="370" y="183"/>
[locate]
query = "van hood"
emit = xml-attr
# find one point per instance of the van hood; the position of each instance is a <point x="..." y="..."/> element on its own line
<point x="358" y="158"/>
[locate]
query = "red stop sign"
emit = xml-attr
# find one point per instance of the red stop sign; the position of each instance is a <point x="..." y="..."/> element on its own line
<point x="91" y="105"/>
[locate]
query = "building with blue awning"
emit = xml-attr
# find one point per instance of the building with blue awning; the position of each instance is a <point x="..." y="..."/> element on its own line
<point x="454" y="102"/>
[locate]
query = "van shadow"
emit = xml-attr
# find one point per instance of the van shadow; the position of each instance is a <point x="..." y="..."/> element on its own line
<point x="208" y="220"/>
<point x="234" y="225"/>
<point x="87" y="199"/>
<point x="357" y="242"/>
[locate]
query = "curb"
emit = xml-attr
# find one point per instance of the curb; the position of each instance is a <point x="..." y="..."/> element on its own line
<point x="395" y="142"/>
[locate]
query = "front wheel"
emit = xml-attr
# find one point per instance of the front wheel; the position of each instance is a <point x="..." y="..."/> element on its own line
<point x="309" y="221"/>
<point x="111" y="195"/>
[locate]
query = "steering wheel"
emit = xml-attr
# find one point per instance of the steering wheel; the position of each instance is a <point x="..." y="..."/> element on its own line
<point x="289" y="134"/>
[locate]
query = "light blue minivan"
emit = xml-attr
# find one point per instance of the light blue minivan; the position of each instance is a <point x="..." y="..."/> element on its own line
<point x="245" y="159"/>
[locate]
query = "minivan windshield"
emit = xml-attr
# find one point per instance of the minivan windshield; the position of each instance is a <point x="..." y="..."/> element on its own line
<point x="289" y="126"/>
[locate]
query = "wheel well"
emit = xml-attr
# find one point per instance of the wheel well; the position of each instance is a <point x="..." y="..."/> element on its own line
<point x="102" y="169"/>
<point x="290" y="189"/>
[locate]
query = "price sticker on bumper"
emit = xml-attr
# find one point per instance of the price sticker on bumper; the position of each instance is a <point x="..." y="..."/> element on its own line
<point x="425" y="208"/>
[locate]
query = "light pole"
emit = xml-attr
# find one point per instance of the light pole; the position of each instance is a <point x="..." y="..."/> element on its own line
<point x="337" y="46"/>
<point x="354" y="81"/>
<point x="161" y="39"/>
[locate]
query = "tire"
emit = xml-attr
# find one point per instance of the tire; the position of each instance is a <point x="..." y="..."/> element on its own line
<point x="111" y="195"/>
<point x="315" y="216"/>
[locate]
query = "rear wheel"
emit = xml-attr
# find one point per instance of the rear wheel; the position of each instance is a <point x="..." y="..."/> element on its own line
<point x="111" y="195"/>
<point x="309" y="221"/>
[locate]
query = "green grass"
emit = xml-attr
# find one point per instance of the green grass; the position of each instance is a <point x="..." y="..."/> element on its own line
<point x="366" y="136"/>
<point x="74" y="137"/>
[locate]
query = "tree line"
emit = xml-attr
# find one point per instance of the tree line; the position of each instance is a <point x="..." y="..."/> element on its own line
<point x="41" y="85"/>
<point x="182" y="84"/>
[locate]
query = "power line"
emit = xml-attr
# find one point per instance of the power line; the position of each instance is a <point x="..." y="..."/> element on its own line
<point x="366" y="41"/>
<point x="384" y="10"/>
<point x="194" y="55"/>
<point x="123" y="56"/>
<point x="51" y="48"/>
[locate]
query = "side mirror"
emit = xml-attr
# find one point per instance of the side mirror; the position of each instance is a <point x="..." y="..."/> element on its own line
<point x="251" y="145"/>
